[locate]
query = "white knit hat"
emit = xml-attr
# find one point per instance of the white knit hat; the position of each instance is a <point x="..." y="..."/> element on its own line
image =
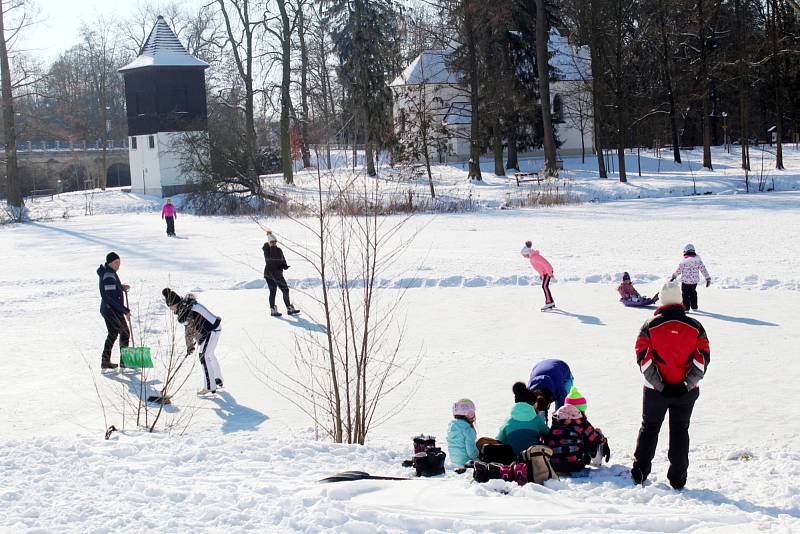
<point x="671" y="293"/>
<point x="688" y="248"/>
<point x="271" y="237"/>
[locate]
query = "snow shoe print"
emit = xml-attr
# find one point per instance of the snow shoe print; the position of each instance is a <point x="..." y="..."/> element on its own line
<point x="291" y="310"/>
<point x="274" y="312"/>
<point x="550" y="306"/>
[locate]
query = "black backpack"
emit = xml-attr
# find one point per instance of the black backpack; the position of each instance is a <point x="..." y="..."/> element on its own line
<point x="429" y="463"/>
<point x="498" y="453"/>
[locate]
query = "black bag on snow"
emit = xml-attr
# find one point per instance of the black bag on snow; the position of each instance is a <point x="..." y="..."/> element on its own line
<point x="429" y="463"/>
<point x="499" y="453"/>
<point x="422" y="443"/>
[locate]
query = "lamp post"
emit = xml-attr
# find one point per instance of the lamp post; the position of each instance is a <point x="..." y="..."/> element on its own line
<point x="725" y="131"/>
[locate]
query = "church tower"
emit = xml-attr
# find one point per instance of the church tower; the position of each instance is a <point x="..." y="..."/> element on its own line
<point x="165" y="96"/>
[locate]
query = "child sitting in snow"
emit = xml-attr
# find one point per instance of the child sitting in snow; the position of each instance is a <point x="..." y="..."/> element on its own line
<point x="628" y="293"/>
<point x="575" y="442"/>
<point x="525" y="426"/>
<point x="461" y="435"/>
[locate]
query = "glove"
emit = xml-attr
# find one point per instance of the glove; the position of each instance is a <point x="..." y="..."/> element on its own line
<point x="708" y="282"/>
<point x="674" y="390"/>
<point x="606" y="451"/>
<point x="528" y="244"/>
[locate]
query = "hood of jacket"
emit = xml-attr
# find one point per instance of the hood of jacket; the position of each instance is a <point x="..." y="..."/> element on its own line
<point x="103" y="269"/>
<point x="543" y="382"/>
<point x="522" y="411"/>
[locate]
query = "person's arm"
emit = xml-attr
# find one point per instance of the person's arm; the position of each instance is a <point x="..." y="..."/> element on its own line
<point x="705" y="273"/>
<point x="501" y="434"/>
<point x="700" y="360"/>
<point x="541" y="425"/>
<point x="284" y="265"/>
<point x="112" y="291"/>
<point x="644" y="357"/>
<point x="470" y="441"/>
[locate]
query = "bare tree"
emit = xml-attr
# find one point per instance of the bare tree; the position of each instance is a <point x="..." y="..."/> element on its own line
<point x="343" y="376"/>
<point x="542" y="58"/>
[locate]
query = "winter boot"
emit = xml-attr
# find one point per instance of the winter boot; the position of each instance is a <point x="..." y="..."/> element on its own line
<point x="549" y="306"/>
<point x="274" y="312"/>
<point x="219" y="383"/>
<point x="206" y="391"/>
<point x="107" y="365"/>
<point x="637" y="476"/>
<point x="291" y="310"/>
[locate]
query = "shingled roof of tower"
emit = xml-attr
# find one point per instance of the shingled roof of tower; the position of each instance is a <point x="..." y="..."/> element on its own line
<point x="163" y="49"/>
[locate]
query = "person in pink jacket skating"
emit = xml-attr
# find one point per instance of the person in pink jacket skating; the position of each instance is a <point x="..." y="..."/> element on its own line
<point x="545" y="270"/>
<point x="169" y="213"/>
<point x="689" y="270"/>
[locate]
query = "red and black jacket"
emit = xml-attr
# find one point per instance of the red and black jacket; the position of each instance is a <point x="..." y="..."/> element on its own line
<point x="574" y="443"/>
<point x="672" y="348"/>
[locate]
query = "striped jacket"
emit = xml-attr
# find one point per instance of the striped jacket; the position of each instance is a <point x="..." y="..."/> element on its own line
<point x="672" y="348"/>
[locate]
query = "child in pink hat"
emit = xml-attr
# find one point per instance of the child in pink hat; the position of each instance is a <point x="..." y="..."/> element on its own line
<point x="461" y="434"/>
<point x="575" y="442"/>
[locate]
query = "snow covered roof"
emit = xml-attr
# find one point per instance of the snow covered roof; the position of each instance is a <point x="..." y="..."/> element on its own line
<point x="429" y="67"/>
<point x="459" y="113"/>
<point x="572" y="62"/>
<point x="163" y="49"/>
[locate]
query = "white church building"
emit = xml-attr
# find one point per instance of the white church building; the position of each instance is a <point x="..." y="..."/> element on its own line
<point x="429" y="85"/>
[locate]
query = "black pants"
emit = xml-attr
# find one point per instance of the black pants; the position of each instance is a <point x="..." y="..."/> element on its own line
<point x="689" y="292"/>
<point x="654" y="407"/>
<point x="117" y="326"/>
<point x="170" y="225"/>
<point x="275" y="282"/>
<point x="548" y="296"/>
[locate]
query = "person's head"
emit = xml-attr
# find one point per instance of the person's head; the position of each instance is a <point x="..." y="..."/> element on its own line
<point x="113" y="261"/>
<point x="671" y="293"/>
<point x="523" y="394"/>
<point x="169" y="201"/>
<point x="688" y="250"/>
<point x="568" y="411"/>
<point x="271" y="239"/>
<point x="464" y="409"/>
<point x="171" y="298"/>
<point x="541" y="399"/>
<point x="574" y="398"/>
<point x="626" y="277"/>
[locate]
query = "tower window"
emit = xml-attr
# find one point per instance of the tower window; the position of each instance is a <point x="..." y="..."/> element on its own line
<point x="133" y="143"/>
<point x="151" y="141"/>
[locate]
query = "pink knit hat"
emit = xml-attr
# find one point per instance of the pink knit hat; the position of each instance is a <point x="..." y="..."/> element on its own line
<point x="464" y="407"/>
<point x="568" y="411"/>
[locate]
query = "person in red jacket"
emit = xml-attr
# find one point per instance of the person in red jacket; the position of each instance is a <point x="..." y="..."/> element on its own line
<point x="673" y="353"/>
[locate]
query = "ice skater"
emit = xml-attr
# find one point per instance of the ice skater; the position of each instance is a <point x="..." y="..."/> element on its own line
<point x="274" y="265"/>
<point x="169" y="213"/>
<point x="545" y="270"/>
<point x="689" y="270"/>
<point x="203" y="328"/>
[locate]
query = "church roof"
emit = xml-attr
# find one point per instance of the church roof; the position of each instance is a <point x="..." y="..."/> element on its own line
<point x="429" y="67"/>
<point x="163" y="49"/>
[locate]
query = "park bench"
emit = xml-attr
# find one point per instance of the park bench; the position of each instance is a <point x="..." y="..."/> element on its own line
<point x="42" y="193"/>
<point x="523" y="177"/>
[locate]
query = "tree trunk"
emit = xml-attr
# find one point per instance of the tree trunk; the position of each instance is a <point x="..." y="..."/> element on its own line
<point x="704" y="85"/>
<point x="597" y="69"/>
<point x="513" y="157"/>
<point x="474" y="128"/>
<point x="778" y="77"/>
<point x="619" y="97"/>
<point x="13" y="192"/>
<point x="301" y="33"/>
<point x="286" y="81"/>
<point x="497" y="146"/>
<point x="673" y="125"/>
<point x="542" y="38"/>
<point x="742" y="74"/>
<point x="424" y="133"/>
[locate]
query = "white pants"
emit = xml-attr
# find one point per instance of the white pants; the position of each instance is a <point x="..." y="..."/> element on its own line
<point x="208" y="360"/>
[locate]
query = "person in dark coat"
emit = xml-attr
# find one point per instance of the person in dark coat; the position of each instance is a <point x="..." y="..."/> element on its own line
<point x="112" y="308"/>
<point x="550" y="381"/>
<point x="274" y="265"/>
<point x="673" y="353"/>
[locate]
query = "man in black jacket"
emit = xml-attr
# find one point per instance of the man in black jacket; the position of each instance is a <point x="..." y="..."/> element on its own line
<point x="112" y="308"/>
<point x="274" y="265"/>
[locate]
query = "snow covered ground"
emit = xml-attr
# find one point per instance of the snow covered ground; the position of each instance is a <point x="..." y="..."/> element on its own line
<point x="247" y="460"/>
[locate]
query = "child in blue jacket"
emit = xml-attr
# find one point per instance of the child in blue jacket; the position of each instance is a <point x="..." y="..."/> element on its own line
<point x="525" y="426"/>
<point x="461" y="435"/>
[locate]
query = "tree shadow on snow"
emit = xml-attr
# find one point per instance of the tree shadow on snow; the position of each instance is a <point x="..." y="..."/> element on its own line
<point x="585" y="319"/>
<point x="134" y="383"/>
<point x="715" y="497"/>
<point x="105" y="243"/>
<point x="731" y="318"/>
<point x="235" y="417"/>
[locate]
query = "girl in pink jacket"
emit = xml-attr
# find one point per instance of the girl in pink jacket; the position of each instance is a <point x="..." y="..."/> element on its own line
<point x="545" y="270"/>
<point x="169" y="213"/>
<point x="689" y="269"/>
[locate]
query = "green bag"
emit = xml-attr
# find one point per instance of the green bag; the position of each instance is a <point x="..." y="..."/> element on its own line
<point x="138" y="357"/>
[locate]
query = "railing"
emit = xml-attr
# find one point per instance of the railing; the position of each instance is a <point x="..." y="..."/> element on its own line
<point x="31" y="147"/>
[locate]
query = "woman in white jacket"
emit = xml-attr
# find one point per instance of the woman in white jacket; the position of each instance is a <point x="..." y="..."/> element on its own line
<point x="689" y="270"/>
